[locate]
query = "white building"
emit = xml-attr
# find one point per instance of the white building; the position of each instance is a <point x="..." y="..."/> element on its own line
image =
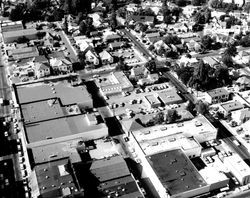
<point x="238" y="168"/>
<point x="217" y="95"/>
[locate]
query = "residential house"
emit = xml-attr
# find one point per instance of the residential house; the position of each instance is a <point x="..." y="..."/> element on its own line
<point x="150" y="79"/>
<point x="187" y="62"/>
<point x="112" y="38"/>
<point x="62" y="65"/>
<point x="213" y="62"/>
<point x="159" y="44"/>
<point x="41" y="70"/>
<point x="243" y="83"/>
<point x="192" y="45"/>
<point x="242" y="57"/>
<point x="153" y="35"/>
<point x="217" y="95"/>
<point x="241" y="116"/>
<point x="142" y="19"/>
<point x="138" y="72"/>
<point x="92" y="57"/>
<point x="106" y="57"/>
<point x="115" y="45"/>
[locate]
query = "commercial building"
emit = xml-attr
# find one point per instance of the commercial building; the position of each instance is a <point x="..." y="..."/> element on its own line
<point x="177" y="175"/>
<point x="238" y="168"/>
<point x="214" y="178"/>
<point x="12" y="36"/>
<point x="199" y="128"/>
<point x="22" y="53"/>
<point x="62" y="129"/>
<point x="230" y="106"/>
<point x="109" y="177"/>
<point x="169" y="96"/>
<point x="54" y="179"/>
<point x="114" y="83"/>
<point x="217" y="95"/>
<point x="68" y="94"/>
<point x="241" y="116"/>
<point x="166" y="142"/>
<point x="12" y="26"/>
<point x="152" y="101"/>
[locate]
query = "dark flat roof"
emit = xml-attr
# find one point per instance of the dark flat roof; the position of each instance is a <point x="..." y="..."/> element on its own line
<point x="125" y="187"/>
<point x="176" y="172"/>
<point x="109" y="168"/>
<point x="54" y="173"/>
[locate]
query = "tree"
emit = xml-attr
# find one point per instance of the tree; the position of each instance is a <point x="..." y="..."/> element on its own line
<point x="81" y="58"/>
<point x="22" y="39"/>
<point x="180" y="3"/>
<point x="206" y="42"/>
<point x="191" y="108"/>
<point x="231" y="50"/>
<point x="185" y="74"/>
<point x="197" y="27"/>
<point x="201" y="107"/>
<point x="18" y="12"/>
<point x="159" y="118"/>
<point x="113" y="21"/>
<point x="197" y="2"/>
<point x="227" y="60"/>
<point x="199" y="18"/>
<point x="151" y="66"/>
<point x="222" y="75"/>
<point x="247" y="7"/>
<point x="172" y="116"/>
<point x="245" y="41"/>
<point x="121" y="66"/>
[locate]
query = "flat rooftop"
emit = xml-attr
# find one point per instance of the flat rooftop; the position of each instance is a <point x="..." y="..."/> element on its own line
<point x="54" y="175"/>
<point x="59" y="128"/>
<point x="176" y="172"/>
<point x="218" y="92"/>
<point x="117" y="185"/>
<point x="167" y="142"/>
<point x="63" y="90"/>
<point x="169" y="96"/>
<point x="232" y="105"/>
<point x="42" y="153"/>
<point x="195" y="127"/>
<point x="42" y="110"/>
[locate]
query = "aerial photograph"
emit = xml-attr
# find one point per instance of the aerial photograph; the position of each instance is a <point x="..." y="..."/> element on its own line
<point x="124" y="98"/>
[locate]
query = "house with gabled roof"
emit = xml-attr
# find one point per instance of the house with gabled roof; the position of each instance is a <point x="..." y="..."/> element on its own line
<point x="62" y="65"/>
<point x="241" y="116"/>
<point x="106" y="57"/>
<point x="92" y="57"/>
<point x="41" y="70"/>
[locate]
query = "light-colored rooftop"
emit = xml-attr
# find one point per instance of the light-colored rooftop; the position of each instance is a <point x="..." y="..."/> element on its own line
<point x="63" y="90"/>
<point x="169" y="96"/>
<point x="232" y="105"/>
<point x="168" y="142"/>
<point x="60" y="150"/>
<point x="42" y="110"/>
<point x="218" y="92"/>
<point x="152" y="99"/>
<point x="18" y="33"/>
<point x="199" y="127"/>
<point x="60" y="128"/>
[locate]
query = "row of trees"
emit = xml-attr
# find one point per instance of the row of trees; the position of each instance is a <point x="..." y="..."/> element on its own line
<point x="170" y="14"/>
<point x="227" y="7"/>
<point x="44" y="10"/>
<point x="204" y="77"/>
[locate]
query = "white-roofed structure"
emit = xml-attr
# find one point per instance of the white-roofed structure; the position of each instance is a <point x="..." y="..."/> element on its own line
<point x="238" y="168"/>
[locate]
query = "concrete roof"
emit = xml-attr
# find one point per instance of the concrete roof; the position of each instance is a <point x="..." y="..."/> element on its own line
<point x="218" y="92"/>
<point x="63" y="90"/>
<point x="59" y="128"/>
<point x="127" y="183"/>
<point x="188" y="128"/>
<point x="109" y="168"/>
<point x="171" y="166"/>
<point x="167" y="142"/>
<point x="54" y="173"/>
<point x="169" y="96"/>
<point x="232" y="105"/>
<point x="42" y="110"/>
<point x="18" y="33"/>
<point x="152" y="99"/>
